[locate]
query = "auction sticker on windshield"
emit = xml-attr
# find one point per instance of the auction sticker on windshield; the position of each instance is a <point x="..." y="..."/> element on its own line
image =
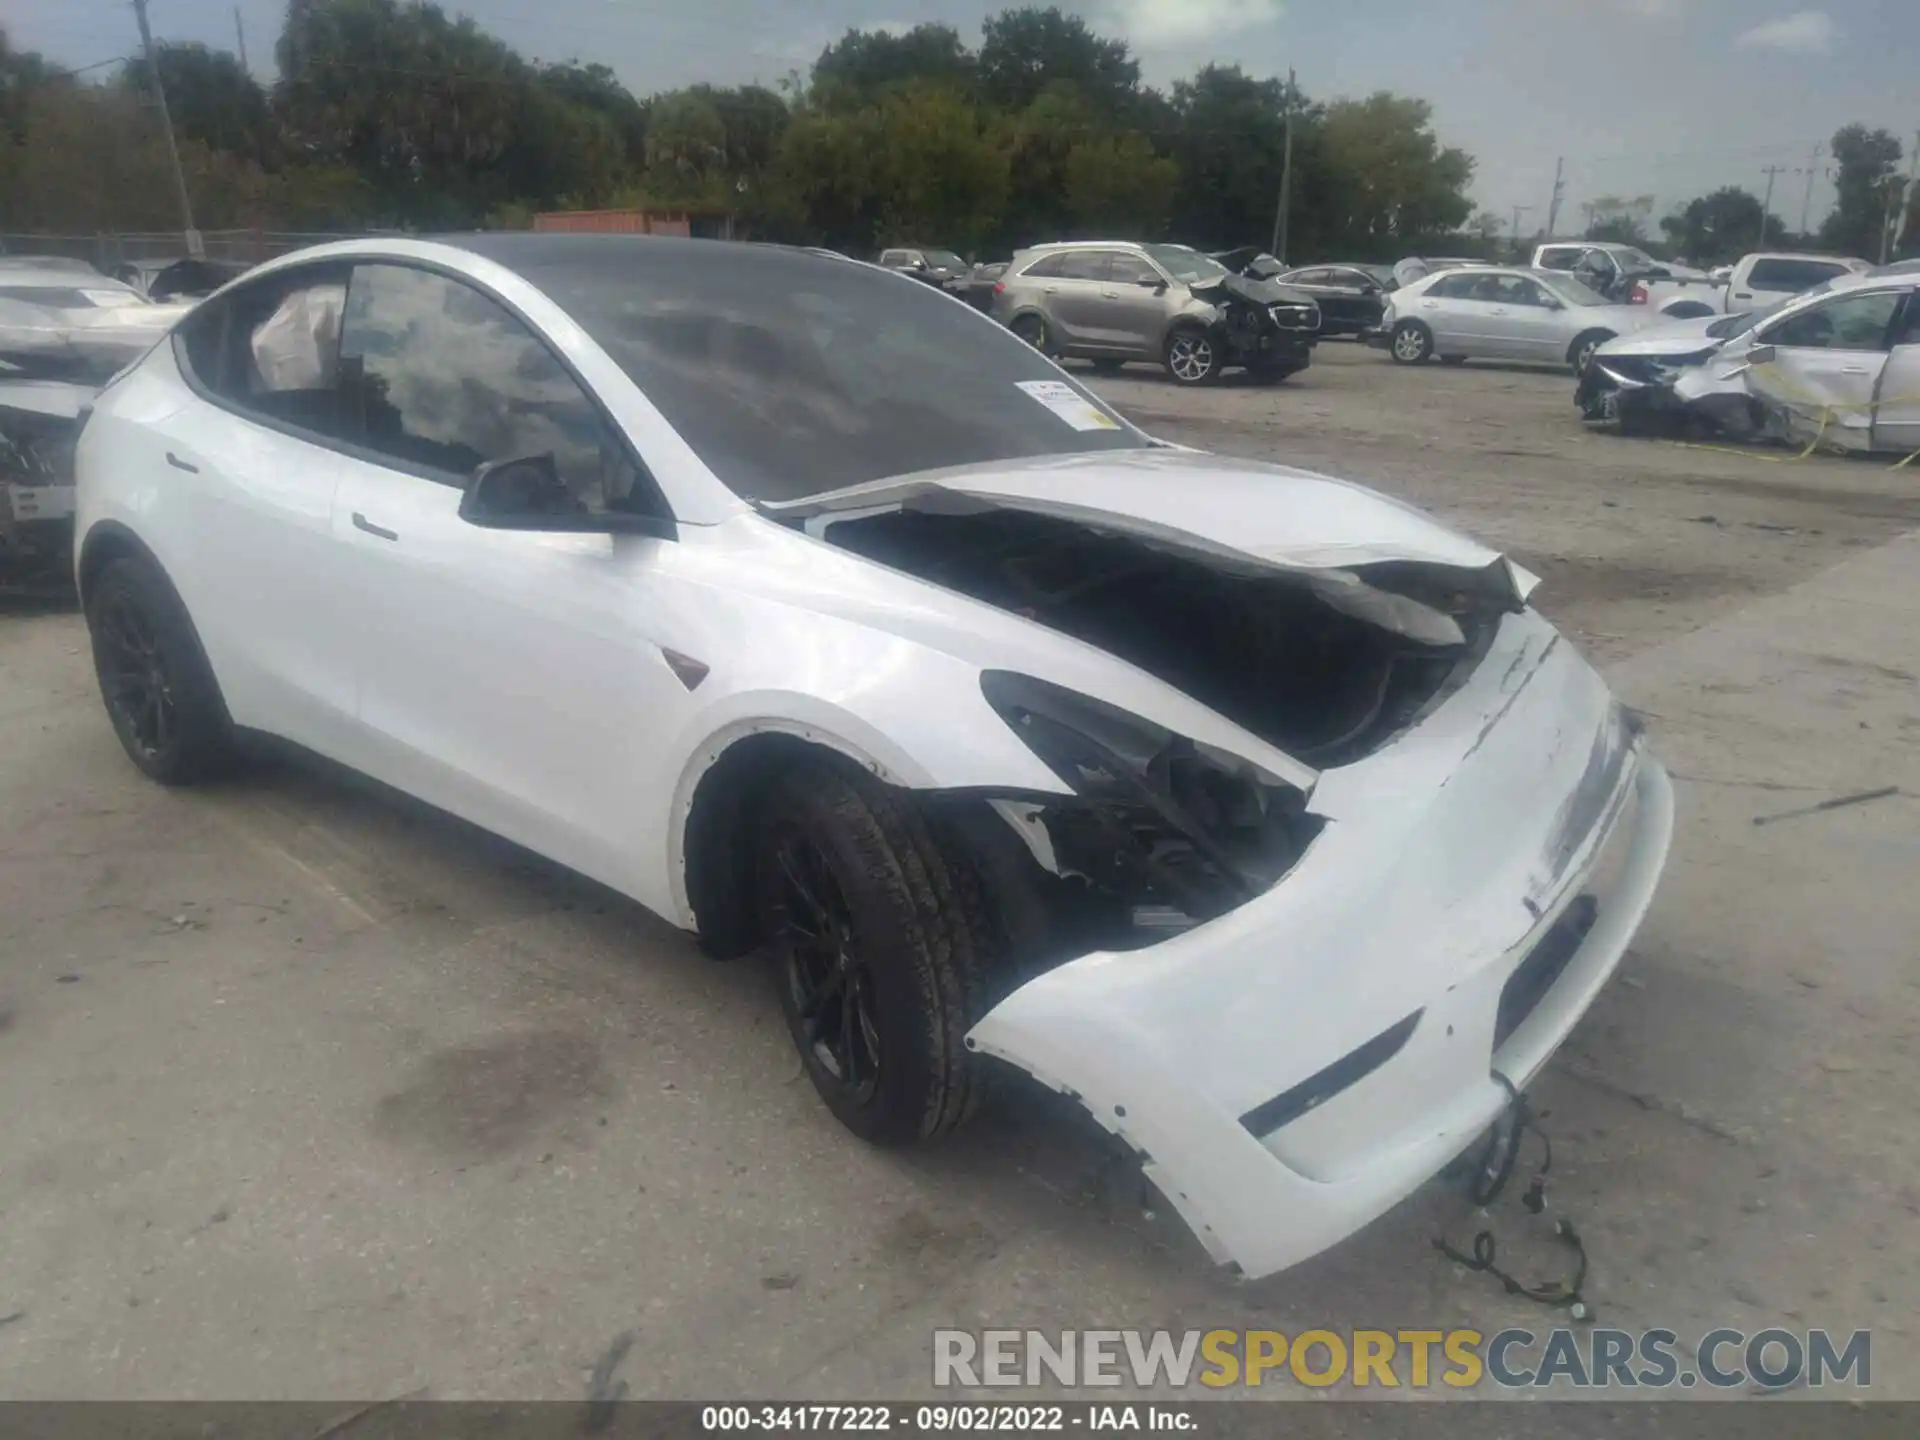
<point x="1069" y="404"/>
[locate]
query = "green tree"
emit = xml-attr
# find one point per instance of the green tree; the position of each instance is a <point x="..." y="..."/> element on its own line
<point x="1228" y="144"/>
<point x="210" y="99"/>
<point x="864" y="64"/>
<point x="1118" y="186"/>
<point x="1865" y="161"/>
<point x="1022" y="52"/>
<point x="1717" y="228"/>
<point x="1397" y="184"/>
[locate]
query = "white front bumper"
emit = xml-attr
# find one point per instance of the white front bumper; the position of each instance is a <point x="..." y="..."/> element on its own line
<point x="1447" y="860"/>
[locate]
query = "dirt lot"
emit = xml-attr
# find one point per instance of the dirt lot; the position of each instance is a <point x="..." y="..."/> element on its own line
<point x="311" y="1094"/>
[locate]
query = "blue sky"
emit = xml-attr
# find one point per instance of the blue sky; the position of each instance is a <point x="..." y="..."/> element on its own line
<point x="1668" y="97"/>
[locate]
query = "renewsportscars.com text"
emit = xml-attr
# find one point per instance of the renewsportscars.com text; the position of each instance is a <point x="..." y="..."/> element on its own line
<point x="1575" y="1358"/>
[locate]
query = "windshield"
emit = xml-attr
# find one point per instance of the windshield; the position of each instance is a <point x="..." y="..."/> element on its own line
<point x="944" y="260"/>
<point x="1574" y="292"/>
<point x="789" y="374"/>
<point x="1184" y="265"/>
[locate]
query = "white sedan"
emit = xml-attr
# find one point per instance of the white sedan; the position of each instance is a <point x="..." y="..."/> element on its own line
<point x="822" y="616"/>
<point x="1499" y="313"/>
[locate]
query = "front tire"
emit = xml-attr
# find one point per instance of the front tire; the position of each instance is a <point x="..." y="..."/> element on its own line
<point x="1412" y="343"/>
<point x="1580" y="353"/>
<point x="1193" y="357"/>
<point x="159" y="690"/>
<point x="882" y="945"/>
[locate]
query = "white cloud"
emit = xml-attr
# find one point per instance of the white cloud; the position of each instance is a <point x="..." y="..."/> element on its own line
<point x="1808" y="32"/>
<point x="1157" y="24"/>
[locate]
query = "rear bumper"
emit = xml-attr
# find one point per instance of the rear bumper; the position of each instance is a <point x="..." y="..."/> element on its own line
<point x="1292" y="1070"/>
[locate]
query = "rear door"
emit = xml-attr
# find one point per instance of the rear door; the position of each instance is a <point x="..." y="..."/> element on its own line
<point x="255" y="458"/>
<point x="1829" y="360"/>
<point x="512" y="677"/>
<point x="1073" y="298"/>
<point x="1453" y="308"/>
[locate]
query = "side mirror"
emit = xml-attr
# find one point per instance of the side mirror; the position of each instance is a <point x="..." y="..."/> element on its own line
<point x="1553" y="304"/>
<point x="528" y="494"/>
<point x="1761" y="355"/>
<point x="1153" y="283"/>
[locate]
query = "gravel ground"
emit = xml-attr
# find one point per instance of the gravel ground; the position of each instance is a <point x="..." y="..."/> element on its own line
<point x="311" y="1094"/>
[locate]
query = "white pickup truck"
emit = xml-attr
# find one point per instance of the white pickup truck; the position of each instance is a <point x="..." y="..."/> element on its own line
<point x="1632" y="277"/>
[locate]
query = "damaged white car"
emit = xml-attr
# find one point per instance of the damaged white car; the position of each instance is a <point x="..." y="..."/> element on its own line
<point x="796" y="600"/>
<point x="1838" y="369"/>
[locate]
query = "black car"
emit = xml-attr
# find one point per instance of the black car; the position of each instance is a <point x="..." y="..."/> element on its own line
<point x="1352" y="298"/>
<point x="937" y="267"/>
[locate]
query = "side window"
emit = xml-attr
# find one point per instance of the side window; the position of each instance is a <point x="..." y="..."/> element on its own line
<point x="443" y="378"/>
<point x="1451" y="287"/>
<point x="1131" y="270"/>
<point x="1084" y="265"/>
<point x="273" y="348"/>
<point x="1529" y="292"/>
<point x="1792" y="276"/>
<point x="894" y="258"/>
<point x="1854" y="322"/>
<point x="1559" y="257"/>
<point x="1909" y="331"/>
<point x="1047" y="267"/>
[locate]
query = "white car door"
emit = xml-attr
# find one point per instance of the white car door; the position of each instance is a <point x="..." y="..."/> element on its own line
<point x="512" y="677"/>
<point x="1896" y="419"/>
<point x="1829" y="358"/>
<point x="251" y="453"/>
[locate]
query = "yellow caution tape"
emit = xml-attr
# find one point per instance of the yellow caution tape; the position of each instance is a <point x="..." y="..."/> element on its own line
<point x="1828" y="409"/>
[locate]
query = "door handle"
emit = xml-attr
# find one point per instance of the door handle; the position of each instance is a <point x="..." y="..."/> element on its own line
<point x="1109" y="294"/>
<point x="177" y="463"/>
<point x="1052" y="290"/>
<point x="360" y="522"/>
<point x="1499" y="310"/>
<point x="1741" y="295"/>
<point x="1855" y="370"/>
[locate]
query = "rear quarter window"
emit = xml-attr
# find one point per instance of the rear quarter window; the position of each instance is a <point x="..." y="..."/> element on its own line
<point x="1792" y="276"/>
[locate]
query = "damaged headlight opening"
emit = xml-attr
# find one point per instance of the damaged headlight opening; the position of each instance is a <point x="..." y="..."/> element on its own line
<point x="1168" y="827"/>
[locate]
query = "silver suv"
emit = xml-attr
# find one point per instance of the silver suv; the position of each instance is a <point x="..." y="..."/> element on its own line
<point x="1115" y="301"/>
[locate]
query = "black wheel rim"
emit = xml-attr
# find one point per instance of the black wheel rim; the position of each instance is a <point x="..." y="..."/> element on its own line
<point x="133" y="672"/>
<point x="831" y="987"/>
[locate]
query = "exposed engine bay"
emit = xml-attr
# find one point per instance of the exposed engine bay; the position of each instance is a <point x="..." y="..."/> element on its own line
<point x="1166" y="833"/>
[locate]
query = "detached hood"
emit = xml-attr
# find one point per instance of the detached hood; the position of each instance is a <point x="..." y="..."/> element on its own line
<point x="1234" y="511"/>
<point x="1676" y="337"/>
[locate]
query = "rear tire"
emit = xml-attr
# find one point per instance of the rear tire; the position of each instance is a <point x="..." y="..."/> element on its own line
<point x="882" y="944"/>
<point x="158" y="688"/>
<point x="1412" y="343"/>
<point x="1033" y="329"/>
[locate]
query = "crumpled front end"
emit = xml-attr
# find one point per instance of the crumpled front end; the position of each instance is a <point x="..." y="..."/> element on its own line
<point x="1293" y="1068"/>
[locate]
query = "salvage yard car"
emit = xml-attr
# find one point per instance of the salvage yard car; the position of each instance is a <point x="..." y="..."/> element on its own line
<point x="64" y="330"/>
<point x="1258" y="812"/>
<point x="1839" y="367"/>
<point x="1498" y="313"/>
<point x="1757" y="281"/>
<point x="1111" y="302"/>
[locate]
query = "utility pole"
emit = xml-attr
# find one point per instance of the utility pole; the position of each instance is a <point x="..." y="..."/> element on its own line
<point x="1766" y="205"/>
<point x="1518" y="211"/>
<point x="1559" y="189"/>
<point x="240" y="35"/>
<point x="1806" y="201"/>
<point x="166" y="125"/>
<point x="1286" y="181"/>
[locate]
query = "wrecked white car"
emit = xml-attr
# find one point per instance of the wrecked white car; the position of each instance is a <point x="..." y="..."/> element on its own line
<point x="1254" y="810"/>
<point x="1838" y="369"/>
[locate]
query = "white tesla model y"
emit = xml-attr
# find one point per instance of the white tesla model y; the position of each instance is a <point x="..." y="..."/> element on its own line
<point x="821" y="615"/>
